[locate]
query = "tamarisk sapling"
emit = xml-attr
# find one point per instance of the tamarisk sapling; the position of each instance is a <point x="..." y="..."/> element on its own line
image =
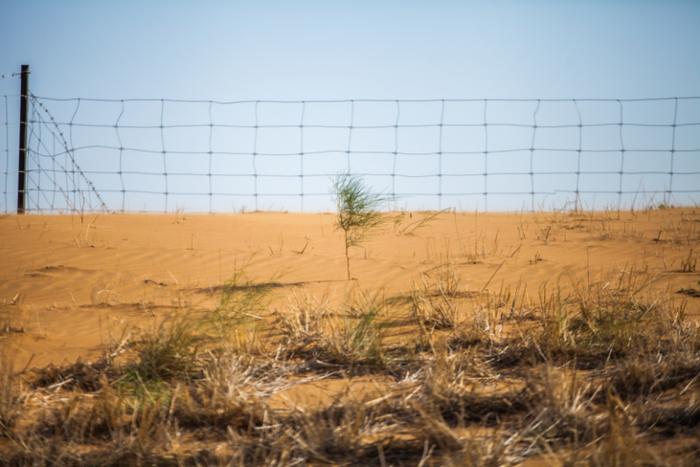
<point x="357" y="211"/>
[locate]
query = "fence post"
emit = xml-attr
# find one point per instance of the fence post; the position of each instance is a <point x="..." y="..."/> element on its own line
<point x="22" y="165"/>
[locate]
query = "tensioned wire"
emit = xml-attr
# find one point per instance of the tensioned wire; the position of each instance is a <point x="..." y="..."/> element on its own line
<point x="66" y="177"/>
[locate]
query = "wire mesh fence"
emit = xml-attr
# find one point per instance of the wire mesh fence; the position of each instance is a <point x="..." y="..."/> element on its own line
<point x="222" y="156"/>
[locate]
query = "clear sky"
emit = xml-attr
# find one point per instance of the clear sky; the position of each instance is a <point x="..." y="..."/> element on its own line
<point x="234" y="50"/>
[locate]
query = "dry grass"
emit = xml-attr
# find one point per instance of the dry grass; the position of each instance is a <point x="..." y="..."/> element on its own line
<point x="689" y="263"/>
<point x="10" y="395"/>
<point x="596" y="374"/>
<point x="350" y="337"/>
<point x="434" y="299"/>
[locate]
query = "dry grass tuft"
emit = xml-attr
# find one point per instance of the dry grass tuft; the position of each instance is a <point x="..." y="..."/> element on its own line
<point x="433" y="300"/>
<point x="168" y="352"/>
<point x="10" y="394"/>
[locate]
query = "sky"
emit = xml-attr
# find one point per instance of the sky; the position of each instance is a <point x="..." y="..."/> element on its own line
<point x="306" y="50"/>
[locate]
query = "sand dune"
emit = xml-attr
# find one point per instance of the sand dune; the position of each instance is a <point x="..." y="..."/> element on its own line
<point x="492" y="328"/>
<point x="70" y="286"/>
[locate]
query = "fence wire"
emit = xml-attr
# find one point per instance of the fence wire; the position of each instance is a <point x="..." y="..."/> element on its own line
<point x="486" y="154"/>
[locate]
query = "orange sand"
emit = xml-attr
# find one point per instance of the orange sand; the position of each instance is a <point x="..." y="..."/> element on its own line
<point x="71" y="287"/>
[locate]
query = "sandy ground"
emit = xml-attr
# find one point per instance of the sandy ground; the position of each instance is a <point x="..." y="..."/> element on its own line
<point x="69" y="287"/>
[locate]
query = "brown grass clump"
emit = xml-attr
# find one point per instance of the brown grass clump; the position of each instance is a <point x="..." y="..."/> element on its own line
<point x="434" y="300"/>
<point x="647" y="374"/>
<point x="463" y="389"/>
<point x="604" y="323"/>
<point x="351" y="339"/>
<point x="301" y="323"/>
<point x="168" y="352"/>
<point x="689" y="263"/>
<point x="354" y="340"/>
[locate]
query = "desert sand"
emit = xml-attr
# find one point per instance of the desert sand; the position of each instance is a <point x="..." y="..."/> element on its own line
<point x="75" y="284"/>
<point x="72" y="286"/>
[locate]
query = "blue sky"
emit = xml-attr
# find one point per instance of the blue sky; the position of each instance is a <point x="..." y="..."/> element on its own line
<point x="352" y="49"/>
<point x="307" y="49"/>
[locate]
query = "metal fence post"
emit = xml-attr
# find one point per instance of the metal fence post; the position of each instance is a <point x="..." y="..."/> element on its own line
<point x="22" y="166"/>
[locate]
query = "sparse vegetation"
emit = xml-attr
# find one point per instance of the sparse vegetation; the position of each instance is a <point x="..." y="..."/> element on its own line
<point x="357" y="212"/>
<point x="635" y="350"/>
<point x="10" y="395"/>
<point x="433" y="300"/>
<point x="689" y="263"/>
<point x="241" y="301"/>
<point x="592" y="369"/>
<point x="167" y="353"/>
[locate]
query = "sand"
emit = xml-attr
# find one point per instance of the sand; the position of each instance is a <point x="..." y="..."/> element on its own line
<point x="70" y="286"/>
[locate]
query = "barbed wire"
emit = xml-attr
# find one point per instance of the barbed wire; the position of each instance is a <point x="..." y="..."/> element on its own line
<point x="79" y="158"/>
<point x="76" y="170"/>
<point x="9" y="75"/>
